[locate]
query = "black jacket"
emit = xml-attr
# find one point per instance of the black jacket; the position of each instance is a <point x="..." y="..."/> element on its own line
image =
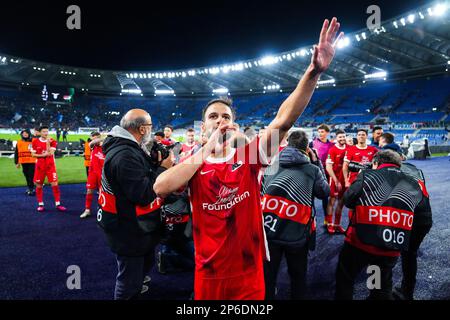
<point x="385" y="203"/>
<point x="423" y="216"/>
<point x="293" y="182"/>
<point x="129" y="209"/>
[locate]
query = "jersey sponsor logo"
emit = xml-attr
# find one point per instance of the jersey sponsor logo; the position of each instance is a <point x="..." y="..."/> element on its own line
<point x="226" y="199"/>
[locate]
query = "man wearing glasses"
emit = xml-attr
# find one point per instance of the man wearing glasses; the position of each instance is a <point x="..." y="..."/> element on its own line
<point x="128" y="207"/>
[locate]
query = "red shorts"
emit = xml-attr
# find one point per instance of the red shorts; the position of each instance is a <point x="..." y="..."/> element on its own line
<point x="93" y="181"/>
<point x="247" y="287"/>
<point x="334" y="191"/>
<point x="43" y="171"/>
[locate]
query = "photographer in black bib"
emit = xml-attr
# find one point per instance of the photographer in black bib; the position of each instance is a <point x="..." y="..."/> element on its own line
<point x="384" y="202"/>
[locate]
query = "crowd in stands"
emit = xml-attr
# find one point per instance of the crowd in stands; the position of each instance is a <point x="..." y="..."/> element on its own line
<point x="402" y="106"/>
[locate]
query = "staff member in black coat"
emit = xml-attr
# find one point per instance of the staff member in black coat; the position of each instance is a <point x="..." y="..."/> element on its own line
<point x="129" y="209"/>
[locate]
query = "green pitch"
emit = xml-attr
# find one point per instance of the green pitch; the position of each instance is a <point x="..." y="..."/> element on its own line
<point x="70" y="137"/>
<point x="69" y="169"/>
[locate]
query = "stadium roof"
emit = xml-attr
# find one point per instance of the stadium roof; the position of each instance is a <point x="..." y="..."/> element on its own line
<point x="416" y="43"/>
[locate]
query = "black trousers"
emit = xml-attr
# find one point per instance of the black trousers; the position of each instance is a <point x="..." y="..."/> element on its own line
<point x="28" y="172"/>
<point x="87" y="171"/>
<point x="409" y="259"/>
<point x="297" y="262"/>
<point x="351" y="262"/>
<point x="131" y="274"/>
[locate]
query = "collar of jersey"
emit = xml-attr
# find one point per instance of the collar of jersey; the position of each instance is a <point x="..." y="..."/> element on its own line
<point x="361" y="148"/>
<point x="221" y="160"/>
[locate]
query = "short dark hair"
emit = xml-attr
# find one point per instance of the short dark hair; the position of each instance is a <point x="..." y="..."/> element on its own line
<point x="169" y="126"/>
<point x="387" y="157"/>
<point x="42" y="128"/>
<point x="299" y="140"/>
<point x="95" y="134"/>
<point x="363" y="130"/>
<point x="159" y="134"/>
<point x="190" y="130"/>
<point x="388" y="137"/>
<point x="376" y="128"/>
<point x="224" y="100"/>
<point x="325" y="127"/>
<point x="339" y="131"/>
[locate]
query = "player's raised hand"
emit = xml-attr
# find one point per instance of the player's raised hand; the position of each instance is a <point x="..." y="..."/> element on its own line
<point x="324" y="51"/>
<point x="220" y="136"/>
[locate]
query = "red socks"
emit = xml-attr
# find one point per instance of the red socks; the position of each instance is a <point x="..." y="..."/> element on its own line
<point x="56" y="194"/>
<point x="40" y="195"/>
<point x="89" y="197"/>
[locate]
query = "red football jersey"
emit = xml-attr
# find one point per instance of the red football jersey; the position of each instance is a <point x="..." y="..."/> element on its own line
<point x="97" y="160"/>
<point x="227" y="219"/>
<point x="39" y="145"/>
<point x="362" y="156"/>
<point x="336" y="157"/>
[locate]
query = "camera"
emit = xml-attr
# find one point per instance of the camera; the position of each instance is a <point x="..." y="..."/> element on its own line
<point x="356" y="166"/>
<point x="164" y="150"/>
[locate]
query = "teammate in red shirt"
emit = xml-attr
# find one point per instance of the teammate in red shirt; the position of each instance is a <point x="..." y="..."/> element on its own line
<point x="360" y="153"/>
<point x="334" y="164"/>
<point x="95" y="172"/>
<point x="224" y="189"/>
<point x="188" y="147"/>
<point x="43" y="148"/>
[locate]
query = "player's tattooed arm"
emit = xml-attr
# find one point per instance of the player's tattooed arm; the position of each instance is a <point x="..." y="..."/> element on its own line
<point x="295" y="104"/>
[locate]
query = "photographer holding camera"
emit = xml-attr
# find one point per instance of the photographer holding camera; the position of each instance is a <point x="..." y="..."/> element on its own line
<point x="129" y="210"/>
<point x="385" y="201"/>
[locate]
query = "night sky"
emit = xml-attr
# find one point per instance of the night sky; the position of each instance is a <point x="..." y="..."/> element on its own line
<point x="169" y="35"/>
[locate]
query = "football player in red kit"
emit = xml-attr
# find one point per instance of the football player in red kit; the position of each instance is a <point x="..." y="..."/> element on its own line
<point x="334" y="164"/>
<point x="224" y="189"/>
<point x="189" y="146"/>
<point x="43" y="148"/>
<point x="360" y="153"/>
<point x="95" y="172"/>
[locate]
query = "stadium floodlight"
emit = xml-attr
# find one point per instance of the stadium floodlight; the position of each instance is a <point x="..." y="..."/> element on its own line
<point x="395" y="23"/>
<point x="421" y="15"/>
<point x="132" y="91"/>
<point x="434" y="109"/>
<point x="430" y="12"/>
<point x="303" y="52"/>
<point x="324" y="82"/>
<point x="403" y="21"/>
<point x="164" y="91"/>
<point x="214" y="70"/>
<point x="440" y="9"/>
<point x="220" y="90"/>
<point x="376" y="75"/>
<point x="364" y="36"/>
<point x="268" y="60"/>
<point x="344" y="42"/>
<point x="411" y="18"/>
<point x="357" y="38"/>
<point x="239" y="66"/>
